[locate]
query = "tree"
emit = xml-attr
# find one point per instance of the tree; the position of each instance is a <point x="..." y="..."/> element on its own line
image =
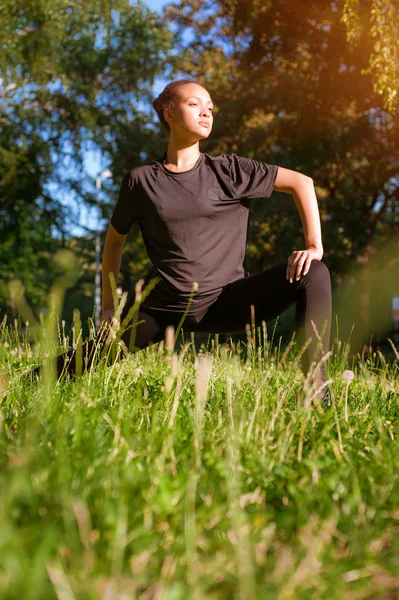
<point x="384" y="59"/>
<point x="26" y="215"/>
<point x="72" y="75"/>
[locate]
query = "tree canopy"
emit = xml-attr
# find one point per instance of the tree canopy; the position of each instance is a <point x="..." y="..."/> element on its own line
<point x="308" y="86"/>
<point x="71" y="74"/>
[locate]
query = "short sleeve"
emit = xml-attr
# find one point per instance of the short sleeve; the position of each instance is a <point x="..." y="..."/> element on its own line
<point x="252" y="178"/>
<point x="127" y="209"/>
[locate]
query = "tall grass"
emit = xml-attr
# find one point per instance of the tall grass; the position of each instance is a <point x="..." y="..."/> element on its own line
<point x="186" y="472"/>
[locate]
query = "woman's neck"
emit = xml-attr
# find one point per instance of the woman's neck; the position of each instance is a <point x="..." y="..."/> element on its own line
<point x="181" y="157"/>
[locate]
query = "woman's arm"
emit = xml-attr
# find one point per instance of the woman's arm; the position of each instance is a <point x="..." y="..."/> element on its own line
<point x="111" y="263"/>
<point x="302" y="188"/>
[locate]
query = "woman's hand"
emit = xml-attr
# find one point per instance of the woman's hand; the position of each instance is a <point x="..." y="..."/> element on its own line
<point x="299" y="262"/>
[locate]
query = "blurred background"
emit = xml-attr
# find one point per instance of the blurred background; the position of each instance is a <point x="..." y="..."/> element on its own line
<point x="308" y="86"/>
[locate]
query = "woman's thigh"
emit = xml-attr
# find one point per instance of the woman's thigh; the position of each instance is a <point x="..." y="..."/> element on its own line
<point x="269" y="292"/>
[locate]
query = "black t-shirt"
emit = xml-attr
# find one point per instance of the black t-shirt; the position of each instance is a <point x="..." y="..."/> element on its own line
<point x="194" y="224"/>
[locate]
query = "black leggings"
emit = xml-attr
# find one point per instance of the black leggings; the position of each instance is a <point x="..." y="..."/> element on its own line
<point x="269" y="292"/>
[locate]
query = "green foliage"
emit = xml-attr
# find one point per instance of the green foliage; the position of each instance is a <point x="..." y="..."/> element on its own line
<point x="71" y="77"/>
<point x="25" y="217"/>
<point x="384" y="18"/>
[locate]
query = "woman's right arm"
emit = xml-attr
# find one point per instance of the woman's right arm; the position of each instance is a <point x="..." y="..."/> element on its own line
<point x="111" y="263"/>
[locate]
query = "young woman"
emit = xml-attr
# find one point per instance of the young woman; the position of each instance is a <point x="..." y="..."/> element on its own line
<point x="193" y="212"/>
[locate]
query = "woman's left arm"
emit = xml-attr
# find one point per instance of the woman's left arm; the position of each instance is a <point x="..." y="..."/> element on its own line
<point x="302" y="188"/>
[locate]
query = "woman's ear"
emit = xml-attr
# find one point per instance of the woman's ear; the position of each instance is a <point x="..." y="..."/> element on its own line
<point x="168" y="115"/>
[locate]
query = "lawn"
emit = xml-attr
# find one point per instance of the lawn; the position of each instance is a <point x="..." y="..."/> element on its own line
<point x="198" y="473"/>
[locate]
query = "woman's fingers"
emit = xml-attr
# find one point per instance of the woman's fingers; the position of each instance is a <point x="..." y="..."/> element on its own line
<point x="298" y="265"/>
<point x="307" y="264"/>
<point x="300" y="260"/>
<point x="290" y="271"/>
<point x="293" y="265"/>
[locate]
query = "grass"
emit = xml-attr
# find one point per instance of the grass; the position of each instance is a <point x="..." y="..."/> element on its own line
<point x="187" y="473"/>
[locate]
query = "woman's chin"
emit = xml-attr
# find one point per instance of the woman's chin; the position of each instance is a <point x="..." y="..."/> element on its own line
<point x="204" y="132"/>
<point x="197" y="134"/>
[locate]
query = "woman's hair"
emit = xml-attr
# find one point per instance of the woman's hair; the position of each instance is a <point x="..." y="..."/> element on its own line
<point x="168" y="98"/>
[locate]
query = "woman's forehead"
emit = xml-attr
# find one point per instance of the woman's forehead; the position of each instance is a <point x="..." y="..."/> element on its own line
<point x="195" y="93"/>
<point x="205" y="98"/>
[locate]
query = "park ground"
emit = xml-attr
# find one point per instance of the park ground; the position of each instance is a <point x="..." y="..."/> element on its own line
<point x="198" y="473"/>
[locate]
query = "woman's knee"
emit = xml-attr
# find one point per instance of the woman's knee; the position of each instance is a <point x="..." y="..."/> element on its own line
<point x="318" y="269"/>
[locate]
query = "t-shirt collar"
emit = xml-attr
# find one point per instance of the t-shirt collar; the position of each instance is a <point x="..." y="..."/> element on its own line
<point x="188" y="172"/>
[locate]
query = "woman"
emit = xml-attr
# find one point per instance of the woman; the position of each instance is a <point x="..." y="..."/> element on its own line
<point x="193" y="213"/>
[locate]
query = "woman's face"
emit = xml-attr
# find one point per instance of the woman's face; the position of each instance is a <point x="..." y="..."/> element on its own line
<point x="192" y="112"/>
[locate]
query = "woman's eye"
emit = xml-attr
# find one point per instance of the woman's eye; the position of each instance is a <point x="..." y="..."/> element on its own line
<point x="195" y="104"/>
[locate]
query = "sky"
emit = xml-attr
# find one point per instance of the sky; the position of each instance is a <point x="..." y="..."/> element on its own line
<point x="156" y="5"/>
